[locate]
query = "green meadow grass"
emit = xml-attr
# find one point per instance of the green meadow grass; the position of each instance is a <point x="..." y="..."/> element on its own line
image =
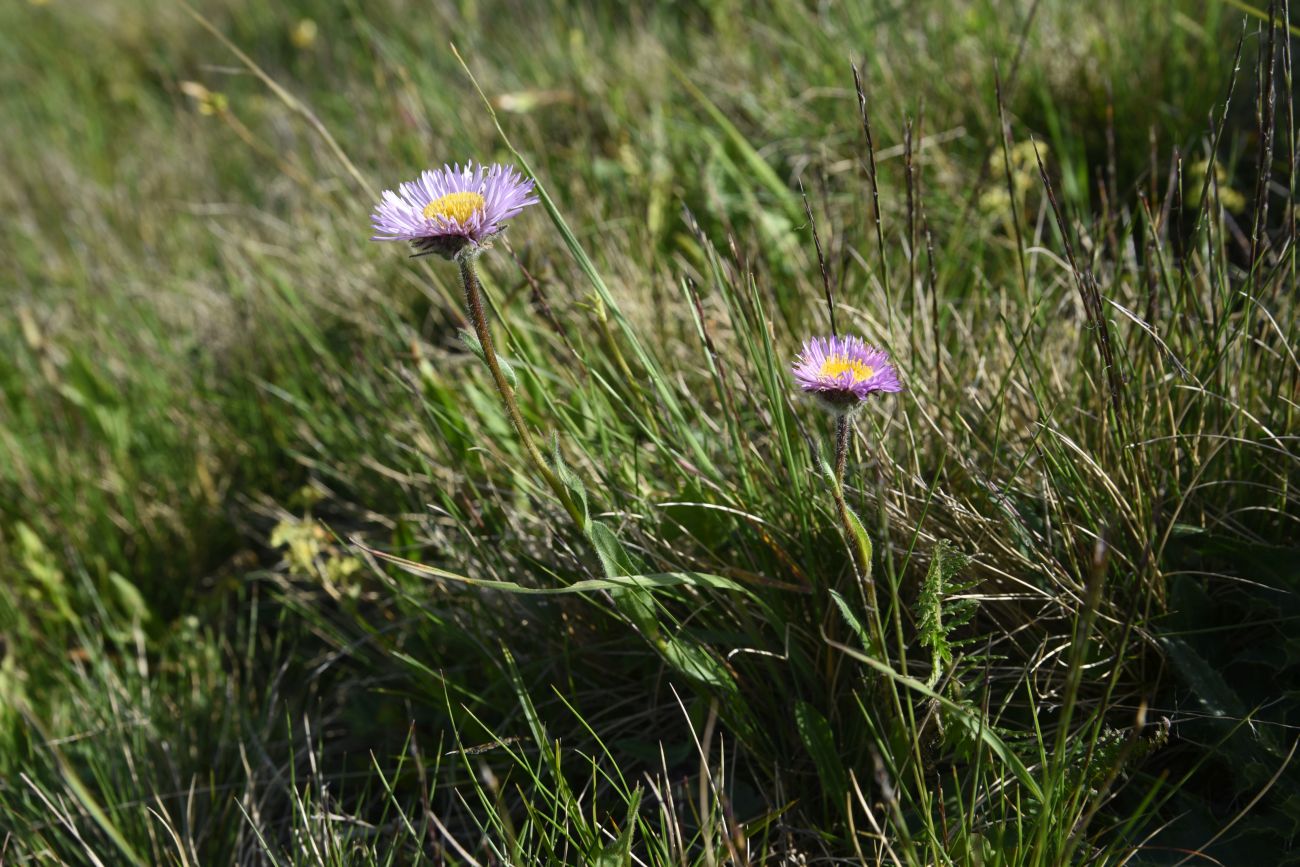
<point x="281" y="585"/>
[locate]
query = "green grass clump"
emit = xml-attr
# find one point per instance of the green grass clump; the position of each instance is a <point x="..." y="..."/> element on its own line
<point x="285" y="587"/>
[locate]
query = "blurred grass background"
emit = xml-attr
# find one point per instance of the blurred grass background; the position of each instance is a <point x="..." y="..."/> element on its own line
<point x="210" y="380"/>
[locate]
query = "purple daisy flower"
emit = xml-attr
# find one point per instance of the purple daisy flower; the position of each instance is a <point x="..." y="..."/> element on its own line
<point x="844" y="371"/>
<point x="452" y="209"/>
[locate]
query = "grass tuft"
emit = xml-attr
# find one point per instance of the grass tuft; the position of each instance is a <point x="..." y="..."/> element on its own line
<point x="288" y="582"/>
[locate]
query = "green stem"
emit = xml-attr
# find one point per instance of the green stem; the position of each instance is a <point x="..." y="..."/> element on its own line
<point x="853" y="530"/>
<point x="842" y="428"/>
<point x="861" y="545"/>
<point x="478" y="317"/>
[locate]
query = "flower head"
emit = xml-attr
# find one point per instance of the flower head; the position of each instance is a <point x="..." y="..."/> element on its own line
<point x="844" y="371"/>
<point x="453" y="209"/>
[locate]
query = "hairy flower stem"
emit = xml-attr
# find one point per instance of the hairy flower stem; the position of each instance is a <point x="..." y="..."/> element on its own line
<point x="856" y="537"/>
<point x="853" y="528"/>
<point x="842" y="429"/>
<point x="477" y="316"/>
<point x="861" y="543"/>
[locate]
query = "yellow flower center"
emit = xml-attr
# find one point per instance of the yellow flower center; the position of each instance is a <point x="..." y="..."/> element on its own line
<point x="838" y="364"/>
<point x="454" y="206"/>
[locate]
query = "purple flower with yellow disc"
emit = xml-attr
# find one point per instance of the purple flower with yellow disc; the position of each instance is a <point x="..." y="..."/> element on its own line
<point x="844" y="371"/>
<point x="452" y="210"/>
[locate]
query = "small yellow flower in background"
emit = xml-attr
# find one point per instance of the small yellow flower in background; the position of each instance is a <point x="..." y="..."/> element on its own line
<point x="39" y="2"/>
<point x="1194" y="182"/>
<point x="209" y="102"/>
<point x="304" y="33"/>
<point x="1024" y="154"/>
<point x="996" y="199"/>
<point x="310" y="552"/>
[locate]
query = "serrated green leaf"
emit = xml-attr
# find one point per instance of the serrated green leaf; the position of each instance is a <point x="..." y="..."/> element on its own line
<point x="936" y="618"/>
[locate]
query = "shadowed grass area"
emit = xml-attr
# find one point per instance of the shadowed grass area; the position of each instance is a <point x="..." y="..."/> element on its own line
<point x="284" y="587"/>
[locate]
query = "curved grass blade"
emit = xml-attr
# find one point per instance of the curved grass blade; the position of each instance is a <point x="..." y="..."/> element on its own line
<point x="653" y="581"/>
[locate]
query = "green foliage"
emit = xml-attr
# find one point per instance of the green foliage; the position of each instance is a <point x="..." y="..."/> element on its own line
<point x="938" y="614"/>
<point x="819" y="739"/>
<point x="471" y="341"/>
<point x="282" y="585"/>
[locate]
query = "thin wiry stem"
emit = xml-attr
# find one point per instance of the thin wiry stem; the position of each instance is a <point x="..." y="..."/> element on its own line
<point x="875" y="196"/>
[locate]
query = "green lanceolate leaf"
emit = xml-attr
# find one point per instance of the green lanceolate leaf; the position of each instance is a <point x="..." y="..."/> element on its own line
<point x="697" y="663"/>
<point x="471" y="341"/>
<point x="570" y="480"/>
<point x="635" y="602"/>
<point x="1206" y="682"/>
<point x="851" y="619"/>
<point x="863" y="542"/>
<point x="819" y="740"/>
<point x="654" y="581"/>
